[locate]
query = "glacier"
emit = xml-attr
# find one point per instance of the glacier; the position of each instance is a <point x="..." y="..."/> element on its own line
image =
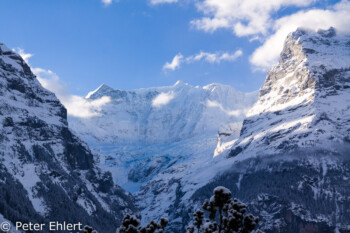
<point x="141" y="133"/>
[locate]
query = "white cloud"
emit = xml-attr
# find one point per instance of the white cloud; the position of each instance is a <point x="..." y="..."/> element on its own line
<point x="154" y="2"/>
<point x="208" y="57"/>
<point x="267" y="54"/>
<point x="106" y="2"/>
<point x="162" y="99"/>
<point x="76" y="105"/>
<point x="175" y="63"/>
<point x="248" y="17"/>
<point x="24" y="55"/>
<point x="214" y="104"/>
<point x="257" y="19"/>
<point x="215" y="57"/>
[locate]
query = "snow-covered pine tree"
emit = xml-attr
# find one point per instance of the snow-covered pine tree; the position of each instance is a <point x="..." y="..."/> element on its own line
<point x="198" y="217"/>
<point x="131" y="224"/>
<point x="232" y="218"/>
<point x="88" y="229"/>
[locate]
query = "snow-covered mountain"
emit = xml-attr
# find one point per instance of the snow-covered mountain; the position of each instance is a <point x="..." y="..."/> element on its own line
<point x="46" y="172"/>
<point x="290" y="163"/>
<point x="304" y="102"/>
<point x="162" y="114"/>
<point x="140" y="133"/>
<point x="288" y="160"/>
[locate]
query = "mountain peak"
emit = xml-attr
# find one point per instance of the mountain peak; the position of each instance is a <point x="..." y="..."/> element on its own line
<point x="101" y="90"/>
<point x="45" y="162"/>
<point x="331" y="32"/>
<point x="324" y="47"/>
<point x="12" y="61"/>
<point x="4" y="48"/>
<point x="180" y="83"/>
<point x="163" y="114"/>
<point x="305" y="94"/>
<point x="326" y="33"/>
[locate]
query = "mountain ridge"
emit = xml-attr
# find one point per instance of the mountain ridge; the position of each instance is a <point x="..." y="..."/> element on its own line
<point x="293" y="187"/>
<point x="307" y="83"/>
<point x="140" y="115"/>
<point x="48" y="173"/>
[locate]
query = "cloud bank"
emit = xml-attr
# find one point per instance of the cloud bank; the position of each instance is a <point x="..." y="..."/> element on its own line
<point x="267" y="54"/>
<point x="76" y="106"/>
<point x="248" y="17"/>
<point x="257" y="19"/>
<point x="268" y="21"/>
<point x="202" y="56"/>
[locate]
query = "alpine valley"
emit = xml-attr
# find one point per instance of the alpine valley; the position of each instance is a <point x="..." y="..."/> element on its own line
<point x="287" y="157"/>
<point x="284" y="151"/>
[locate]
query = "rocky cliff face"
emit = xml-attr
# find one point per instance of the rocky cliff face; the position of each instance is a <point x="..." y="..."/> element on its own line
<point x="291" y="160"/>
<point x="304" y="102"/>
<point x="47" y="173"/>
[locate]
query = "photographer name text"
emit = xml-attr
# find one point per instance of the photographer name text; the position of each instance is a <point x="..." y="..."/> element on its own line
<point x="51" y="226"/>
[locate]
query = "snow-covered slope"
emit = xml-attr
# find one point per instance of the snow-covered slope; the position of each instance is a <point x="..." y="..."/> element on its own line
<point x="290" y="161"/>
<point x="154" y="138"/>
<point x="162" y="114"/>
<point x="140" y="133"/>
<point x="46" y="172"/>
<point x="304" y="102"/>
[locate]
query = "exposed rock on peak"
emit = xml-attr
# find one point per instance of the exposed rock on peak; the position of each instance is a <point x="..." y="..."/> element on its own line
<point x="304" y="100"/>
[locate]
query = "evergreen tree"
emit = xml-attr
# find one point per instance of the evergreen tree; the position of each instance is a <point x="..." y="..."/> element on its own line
<point x="231" y="214"/>
<point x="190" y="229"/>
<point x="232" y="218"/>
<point x="88" y="229"/>
<point x="131" y="224"/>
<point x="198" y="219"/>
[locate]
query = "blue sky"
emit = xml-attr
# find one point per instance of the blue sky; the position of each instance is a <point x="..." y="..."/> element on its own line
<point x="127" y="43"/>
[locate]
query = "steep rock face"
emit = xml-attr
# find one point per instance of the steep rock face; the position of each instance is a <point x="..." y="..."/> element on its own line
<point x="304" y="102"/>
<point x="47" y="173"/>
<point x="291" y="158"/>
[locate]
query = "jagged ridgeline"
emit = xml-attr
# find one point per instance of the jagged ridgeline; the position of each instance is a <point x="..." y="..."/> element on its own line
<point x="289" y="163"/>
<point x="292" y="163"/>
<point x="46" y="172"/>
<point x="304" y="102"/>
